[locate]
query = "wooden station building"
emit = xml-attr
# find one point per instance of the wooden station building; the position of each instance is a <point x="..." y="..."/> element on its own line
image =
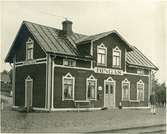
<point x="57" y="69"/>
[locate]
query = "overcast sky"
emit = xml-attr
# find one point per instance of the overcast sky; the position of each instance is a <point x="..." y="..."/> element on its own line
<point x="141" y="23"/>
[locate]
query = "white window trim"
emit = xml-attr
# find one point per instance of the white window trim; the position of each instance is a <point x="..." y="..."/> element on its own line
<point x="26" y="80"/>
<point x="27" y="43"/>
<point x="128" y="82"/>
<point x="69" y="60"/>
<point x="102" y="46"/>
<point x="140" y="71"/>
<point x="118" y="50"/>
<point x="68" y="76"/>
<point x="140" y="82"/>
<point x="91" y="78"/>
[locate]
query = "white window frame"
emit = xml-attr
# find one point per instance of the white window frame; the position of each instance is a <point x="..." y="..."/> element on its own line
<point x="26" y="80"/>
<point x="68" y="76"/>
<point x="125" y="81"/>
<point x="102" y="46"/>
<point x="140" y="82"/>
<point x="140" y="71"/>
<point x="31" y="43"/>
<point x="116" y="49"/>
<point x="69" y="61"/>
<point x="91" y="78"/>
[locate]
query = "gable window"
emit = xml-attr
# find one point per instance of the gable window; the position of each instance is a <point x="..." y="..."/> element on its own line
<point x="117" y="57"/>
<point x="68" y="62"/>
<point x="125" y="90"/>
<point x="68" y="87"/>
<point x="140" y="90"/>
<point x="140" y="71"/>
<point x="101" y="55"/>
<point x="91" y="88"/>
<point x="29" y="49"/>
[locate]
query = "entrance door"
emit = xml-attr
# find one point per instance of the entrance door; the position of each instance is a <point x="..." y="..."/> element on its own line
<point x="28" y="91"/>
<point x="109" y="94"/>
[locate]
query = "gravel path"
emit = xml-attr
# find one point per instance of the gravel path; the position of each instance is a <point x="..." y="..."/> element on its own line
<point x="13" y="121"/>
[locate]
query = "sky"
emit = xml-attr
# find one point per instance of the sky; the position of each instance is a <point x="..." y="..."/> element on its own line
<point x="140" y="22"/>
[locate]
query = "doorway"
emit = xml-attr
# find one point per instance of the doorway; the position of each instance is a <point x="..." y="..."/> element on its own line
<point x="28" y="91"/>
<point x="109" y="93"/>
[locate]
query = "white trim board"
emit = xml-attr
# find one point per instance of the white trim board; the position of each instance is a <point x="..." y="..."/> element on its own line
<point x="43" y="62"/>
<point x="136" y="107"/>
<point x="81" y="68"/>
<point x="76" y="109"/>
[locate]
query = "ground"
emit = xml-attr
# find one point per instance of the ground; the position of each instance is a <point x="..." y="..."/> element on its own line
<point x="95" y="121"/>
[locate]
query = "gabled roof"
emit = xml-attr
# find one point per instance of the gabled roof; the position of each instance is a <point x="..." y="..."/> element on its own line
<point x="136" y="58"/>
<point x="51" y="42"/>
<point x="101" y="35"/>
<point x="50" y="39"/>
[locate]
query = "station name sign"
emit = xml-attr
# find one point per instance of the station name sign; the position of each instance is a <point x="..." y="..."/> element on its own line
<point x="108" y="71"/>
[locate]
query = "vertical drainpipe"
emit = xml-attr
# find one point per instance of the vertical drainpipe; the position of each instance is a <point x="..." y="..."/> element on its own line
<point x="13" y="79"/>
<point x="52" y="89"/>
<point x="49" y="87"/>
<point x="46" y="92"/>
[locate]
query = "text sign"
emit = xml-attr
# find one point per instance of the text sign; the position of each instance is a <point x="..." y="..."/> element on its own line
<point x="108" y="71"/>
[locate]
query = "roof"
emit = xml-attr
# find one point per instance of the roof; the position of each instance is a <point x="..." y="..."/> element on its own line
<point x="101" y="35"/>
<point x="136" y="58"/>
<point x="51" y="42"/>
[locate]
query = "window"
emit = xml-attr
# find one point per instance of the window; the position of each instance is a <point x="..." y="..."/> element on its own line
<point x="29" y="49"/>
<point x="125" y="90"/>
<point x="68" y="62"/>
<point x="140" y="90"/>
<point x="68" y="87"/>
<point x="102" y="55"/>
<point x="140" y="71"/>
<point x="116" y="57"/>
<point x="91" y="88"/>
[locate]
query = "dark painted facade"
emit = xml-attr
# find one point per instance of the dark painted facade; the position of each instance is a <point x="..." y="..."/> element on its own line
<point x="46" y="69"/>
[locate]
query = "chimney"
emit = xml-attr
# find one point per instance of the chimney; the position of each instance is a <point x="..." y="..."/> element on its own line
<point x="67" y="27"/>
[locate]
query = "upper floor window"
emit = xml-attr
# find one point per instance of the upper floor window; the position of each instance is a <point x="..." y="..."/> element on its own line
<point x="29" y="49"/>
<point x="101" y="55"/>
<point x="68" y="87"/>
<point x="116" y="57"/>
<point x="125" y="90"/>
<point x="91" y="88"/>
<point x="69" y="62"/>
<point x="140" y="90"/>
<point x="140" y="71"/>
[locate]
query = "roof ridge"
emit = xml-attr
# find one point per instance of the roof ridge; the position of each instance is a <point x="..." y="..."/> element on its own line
<point x="25" y="21"/>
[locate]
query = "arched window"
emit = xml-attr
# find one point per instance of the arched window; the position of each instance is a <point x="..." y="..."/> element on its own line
<point x="140" y="90"/>
<point x="116" y="57"/>
<point x="29" y="49"/>
<point x="68" y="87"/>
<point x="125" y="90"/>
<point x="101" y="55"/>
<point x="91" y="85"/>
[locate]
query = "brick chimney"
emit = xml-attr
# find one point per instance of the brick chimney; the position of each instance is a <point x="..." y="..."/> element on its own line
<point x="67" y="27"/>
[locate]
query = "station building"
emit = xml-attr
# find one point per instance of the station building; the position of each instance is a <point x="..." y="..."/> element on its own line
<point x="58" y="69"/>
